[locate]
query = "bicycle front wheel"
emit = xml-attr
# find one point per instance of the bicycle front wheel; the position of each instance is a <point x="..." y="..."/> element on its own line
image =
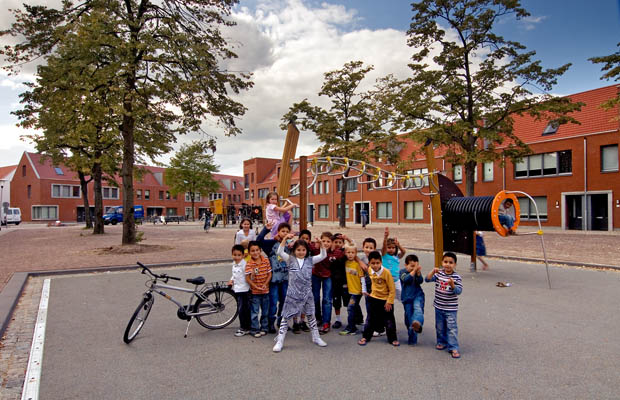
<point x="136" y="322"/>
<point x="219" y="307"/>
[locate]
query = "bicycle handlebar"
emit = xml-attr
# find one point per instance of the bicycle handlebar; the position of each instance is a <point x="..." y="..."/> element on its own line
<point x="154" y="275"/>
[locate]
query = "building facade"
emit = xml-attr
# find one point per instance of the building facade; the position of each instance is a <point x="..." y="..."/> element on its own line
<point x="572" y="175"/>
<point x="46" y="192"/>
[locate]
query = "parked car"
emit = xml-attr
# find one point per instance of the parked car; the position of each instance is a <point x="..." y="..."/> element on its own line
<point x="115" y="215"/>
<point x="11" y="216"/>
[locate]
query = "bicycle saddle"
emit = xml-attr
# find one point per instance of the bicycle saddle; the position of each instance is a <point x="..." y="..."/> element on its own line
<point x="199" y="280"/>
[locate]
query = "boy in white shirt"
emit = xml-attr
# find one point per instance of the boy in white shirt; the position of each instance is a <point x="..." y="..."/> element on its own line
<point x="241" y="289"/>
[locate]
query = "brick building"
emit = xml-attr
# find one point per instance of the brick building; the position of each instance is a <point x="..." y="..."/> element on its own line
<point x="52" y="192"/>
<point x="572" y="174"/>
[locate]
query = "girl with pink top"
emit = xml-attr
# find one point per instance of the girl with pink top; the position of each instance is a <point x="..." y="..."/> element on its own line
<point x="275" y="214"/>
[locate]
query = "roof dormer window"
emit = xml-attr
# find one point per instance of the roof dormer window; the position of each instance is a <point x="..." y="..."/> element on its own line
<point x="58" y="171"/>
<point x="552" y="127"/>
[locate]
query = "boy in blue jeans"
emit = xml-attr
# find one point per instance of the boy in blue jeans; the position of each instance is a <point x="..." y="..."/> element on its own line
<point x="412" y="297"/>
<point x="448" y="286"/>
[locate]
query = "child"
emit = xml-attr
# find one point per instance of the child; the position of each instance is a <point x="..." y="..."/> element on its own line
<point x="337" y="259"/>
<point x="245" y="232"/>
<point x="369" y="244"/>
<point x="258" y="275"/>
<point x="381" y="302"/>
<point x="392" y="253"/>
<point x="481" y="250"/>
<point x="279" y="272"/>
<point x="448" y="286"/>
<point x="506" y="216"/>
<point x="412" y="297"/>
<point x="321" y="277"/>
<point x="300" y="298"/>
<point x="356" y="284"/>
<point x="275" y="215"/>
<point x="305" y="235"/>
<point x="241" y="289"/>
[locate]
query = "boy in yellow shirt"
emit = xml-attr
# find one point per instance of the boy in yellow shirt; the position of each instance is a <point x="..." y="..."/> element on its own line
<point x="356" y="284"/>
<point x="381" y="313"/>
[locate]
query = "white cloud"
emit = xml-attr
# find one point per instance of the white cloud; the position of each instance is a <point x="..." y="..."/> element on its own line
<point x="531" y="22"/>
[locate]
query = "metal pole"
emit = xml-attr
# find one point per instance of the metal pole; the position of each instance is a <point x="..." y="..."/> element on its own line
<point x="303" y="192"/>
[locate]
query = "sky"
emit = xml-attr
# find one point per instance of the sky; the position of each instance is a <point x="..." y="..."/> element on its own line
<point x="289" y="44"/>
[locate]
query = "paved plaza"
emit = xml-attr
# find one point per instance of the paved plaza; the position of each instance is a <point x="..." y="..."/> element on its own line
<point x="524" y="341"/>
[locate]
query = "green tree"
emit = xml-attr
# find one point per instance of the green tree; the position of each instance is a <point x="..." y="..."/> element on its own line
<point x="191" y="171"/>
<point x="166" y="58"/>
<point x="351" y="127"/>
<point x="612" y="66"/>
<point x="478" y="81"/>
<point x="73" y="108"/>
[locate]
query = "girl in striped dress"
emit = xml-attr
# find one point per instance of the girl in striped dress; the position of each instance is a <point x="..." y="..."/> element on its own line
<point x="299" y="298"/>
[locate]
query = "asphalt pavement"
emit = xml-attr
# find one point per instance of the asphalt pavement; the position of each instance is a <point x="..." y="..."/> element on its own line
<point x="522" y="341"/>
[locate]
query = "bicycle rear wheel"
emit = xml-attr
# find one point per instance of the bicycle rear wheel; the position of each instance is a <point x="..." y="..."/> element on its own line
<point x="220" y="306"/>
<point x="136" y="322"/>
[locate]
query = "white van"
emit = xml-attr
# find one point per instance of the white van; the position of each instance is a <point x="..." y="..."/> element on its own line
<point x="12" y="216"/>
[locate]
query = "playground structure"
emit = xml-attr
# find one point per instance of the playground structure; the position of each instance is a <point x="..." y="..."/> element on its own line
<point x="455" y="218"/>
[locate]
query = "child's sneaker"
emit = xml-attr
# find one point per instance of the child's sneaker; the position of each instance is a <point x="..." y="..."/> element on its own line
<point x="337" y="325"/>
<point x="257" y="334"/>
<point x="324" y="329"/>
<point x="240" y="332"/>
<point x="262" y="333"/>
<point x="344" y="332"/>
<point x="296" y="328"/>
<point x="304" y="327"/>
<point x="417" y="326"/>
<point x="377" y="334"/>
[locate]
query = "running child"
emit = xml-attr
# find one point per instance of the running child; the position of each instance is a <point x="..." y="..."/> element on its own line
<point x="381" y="302"/>
<point x="412" y="297"/>
<point x="242" y="290"/>
<point x="448" y="285"/>
<point x="300" y="299"/>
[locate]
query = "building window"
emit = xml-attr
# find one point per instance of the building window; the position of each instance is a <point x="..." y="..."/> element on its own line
<point x="23" y="170"/>
<point x="65" y="191"/>
<point x="609" y="158"/>
<point x="247" y="195"/>
<point x="167" y="195"/>
<point x="294" y="190"/>
<point x="384" y="210"/>
<point x="552" y="127"/>
<point x="161" y="195"/>
<point x="147" y="194"/>
<point x="29" y="192"/>
<point x="458" y="173"/>
<point x="528" y="210"/>
<point x="416" y="181"/>
<point x="326" y="186"/>
<point x="295" y="212"/>
<point x="234" y="185"/>
<point x="58" y="171"/>
<point x="314" y="188"/>
<point x="320" y="187"/>
<point x="262" y="193"/>
<point x="546" y="164"/>
<point x="189" y="212"/>
<point x="171" y="211"/>
<point x="323" y="211"/>
<point x="139" y="194"/>
<point x="110" y="193"/>
<point x="414" y="210"/>
<point x="487" y="171"/>
<point x="212" y="196"/>
<point x="44" y="212"/>
<point x="252" y="177"/>
<point x="346" y="210"/>
<point x="197" y="196"/>
<point x="351" y="185"/>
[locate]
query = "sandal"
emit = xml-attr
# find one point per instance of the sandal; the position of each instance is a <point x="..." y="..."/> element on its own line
<point x="455" y="354"/>
<point x="395" y="343"/>
<point x="362" y="342"/>
<point x="440" y="347"/>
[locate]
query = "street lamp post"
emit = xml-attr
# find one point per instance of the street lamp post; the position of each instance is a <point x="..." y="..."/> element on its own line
<point x="1" y="205"/>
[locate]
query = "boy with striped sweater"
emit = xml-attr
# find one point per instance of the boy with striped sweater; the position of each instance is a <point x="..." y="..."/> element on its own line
<point x="448" y="285"/>
<point x="258" y="275"/>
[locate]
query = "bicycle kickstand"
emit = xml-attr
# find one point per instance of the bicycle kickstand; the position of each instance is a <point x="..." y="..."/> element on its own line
<point x="187" y="329"/>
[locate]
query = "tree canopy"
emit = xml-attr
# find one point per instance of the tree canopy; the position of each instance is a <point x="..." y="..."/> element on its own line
<point x="611" y="64"/>
<point x="162" y="60"/>
<point x="466" y="98"/>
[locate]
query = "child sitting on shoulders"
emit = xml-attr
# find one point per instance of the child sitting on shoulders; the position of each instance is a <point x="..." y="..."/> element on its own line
<point x="392" y="253"/>
<point x="275" y="215"/>
<point x="448" y="285"/>
<point x="381" y="299"/>
<point x="299" y="299"/>
<point x="412" y="297"/>
<point x="242" y="290"/>
<point x="356" y="284"/>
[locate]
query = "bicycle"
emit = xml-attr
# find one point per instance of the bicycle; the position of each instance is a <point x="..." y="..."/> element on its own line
<point x="214" y="307"/>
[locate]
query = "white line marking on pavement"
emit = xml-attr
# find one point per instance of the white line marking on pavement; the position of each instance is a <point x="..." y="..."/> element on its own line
<point x="33" y="373"/>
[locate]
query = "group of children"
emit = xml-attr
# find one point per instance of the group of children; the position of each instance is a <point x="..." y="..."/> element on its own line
<point x="283" y="279"/>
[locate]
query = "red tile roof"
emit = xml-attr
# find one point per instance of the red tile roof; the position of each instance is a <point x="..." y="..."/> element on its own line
<point x="6" y="171"/>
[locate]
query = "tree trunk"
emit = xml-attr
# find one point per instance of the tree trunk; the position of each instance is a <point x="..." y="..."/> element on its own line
<point x="84" y="187"/>
<point x="193" y="215"/>
<point x="127" y="129"/>
<point x="97" y="176"/>
<point x="470" y="169"/>
<point x="343" y="201"/>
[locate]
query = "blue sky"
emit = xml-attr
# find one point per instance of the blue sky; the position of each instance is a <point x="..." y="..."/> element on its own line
<point x="289" y="44"/>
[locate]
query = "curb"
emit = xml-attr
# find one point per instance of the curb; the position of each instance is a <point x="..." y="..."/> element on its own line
<point x="9" y="296"/>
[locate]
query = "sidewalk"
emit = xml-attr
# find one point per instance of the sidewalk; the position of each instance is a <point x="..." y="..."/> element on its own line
<point x="72" y="247"/>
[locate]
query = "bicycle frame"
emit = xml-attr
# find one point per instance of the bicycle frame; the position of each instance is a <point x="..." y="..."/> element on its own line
<point x="156" y="287"/>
